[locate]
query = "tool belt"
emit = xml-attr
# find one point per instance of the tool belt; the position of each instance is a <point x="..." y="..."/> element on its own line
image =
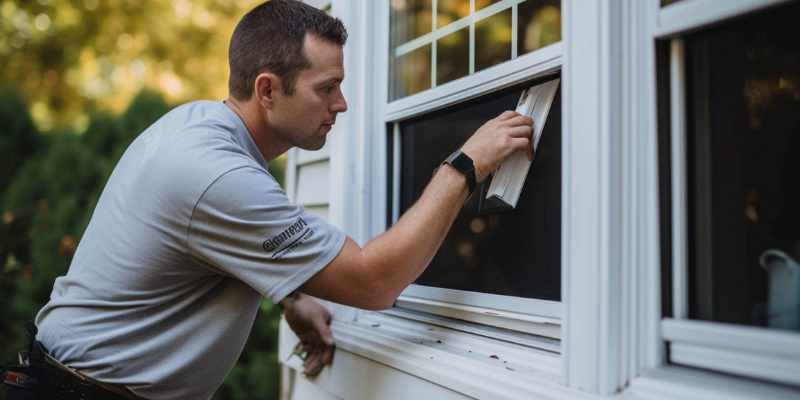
<point x="39" y="376"/>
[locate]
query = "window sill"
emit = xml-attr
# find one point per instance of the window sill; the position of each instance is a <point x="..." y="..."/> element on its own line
<point x="673" y="382"/>
<point x="459" y="361"/>
<point x="536" y="64"/>
<point x="761" y="353"/>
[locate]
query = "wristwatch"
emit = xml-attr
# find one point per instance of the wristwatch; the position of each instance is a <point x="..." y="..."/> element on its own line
<point x="463" y="164"/>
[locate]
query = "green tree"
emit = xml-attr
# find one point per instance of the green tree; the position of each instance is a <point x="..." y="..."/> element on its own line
<point x="47" y="201"/>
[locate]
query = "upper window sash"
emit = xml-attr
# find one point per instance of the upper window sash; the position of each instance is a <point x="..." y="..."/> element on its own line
<point x="688" y="15"/>
<point x="462" y="23"/>
<point x="532" y="65"/>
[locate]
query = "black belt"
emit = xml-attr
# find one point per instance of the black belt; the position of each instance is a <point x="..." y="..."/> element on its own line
<point x="39" y="379"/>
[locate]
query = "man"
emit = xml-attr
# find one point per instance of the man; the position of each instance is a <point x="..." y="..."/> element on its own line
<point x="191" y="230"/>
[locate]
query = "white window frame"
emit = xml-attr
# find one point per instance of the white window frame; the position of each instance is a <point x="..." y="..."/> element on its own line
<point x="756" y="352"/>
<point x="534" y="316"/>
<point x="611" y="325"/>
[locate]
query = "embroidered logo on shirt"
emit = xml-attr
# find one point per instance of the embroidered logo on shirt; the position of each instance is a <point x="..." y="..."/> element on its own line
<point x="297" y="228"/>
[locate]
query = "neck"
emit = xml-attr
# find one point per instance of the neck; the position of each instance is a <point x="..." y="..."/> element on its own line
<point x="263" y="136"/>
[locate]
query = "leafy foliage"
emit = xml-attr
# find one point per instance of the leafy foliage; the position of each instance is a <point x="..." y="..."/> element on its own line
<point x="48" y="195"/>
<point x="68" y="57"/>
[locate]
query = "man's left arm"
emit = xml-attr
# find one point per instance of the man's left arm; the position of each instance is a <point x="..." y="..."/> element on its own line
<point x="310" y="322"/>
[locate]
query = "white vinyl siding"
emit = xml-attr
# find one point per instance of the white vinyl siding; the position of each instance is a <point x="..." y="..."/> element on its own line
<point x="308" y="180"/>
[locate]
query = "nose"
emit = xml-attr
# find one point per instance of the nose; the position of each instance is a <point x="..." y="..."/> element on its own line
<point x="339" y="105"/>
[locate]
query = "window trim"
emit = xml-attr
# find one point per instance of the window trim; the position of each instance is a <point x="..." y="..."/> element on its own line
<point x="532" y="65"/>
<point x="688" y="15"/>
<point x="457" y="360"/>
<point x="533" y="316"/>
<point x="768" y="354"/>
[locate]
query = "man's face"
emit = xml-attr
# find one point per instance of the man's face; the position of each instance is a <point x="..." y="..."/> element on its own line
<point x="304" y="119"/>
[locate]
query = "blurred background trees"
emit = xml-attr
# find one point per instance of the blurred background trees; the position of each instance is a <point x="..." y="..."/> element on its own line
<point x="79" y="80"/>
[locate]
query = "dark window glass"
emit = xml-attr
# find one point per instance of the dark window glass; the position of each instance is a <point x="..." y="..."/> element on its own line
<point x="493" y="40"/>
<point x="743" y="152"/>
<point x="481" y="4"/>
<point x="668" y="2"/>
<point x="448" y="11"/>
<point x="410" y="19"/>
<point x="516" y="252"/>
<point x="664" y="175"/>
<point x="411" y="72"/>
<point x="452" y="59"/>
<point x="538" y="24"/>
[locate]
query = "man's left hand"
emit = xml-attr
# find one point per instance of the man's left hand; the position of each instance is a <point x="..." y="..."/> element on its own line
<point x="310" y="321"/>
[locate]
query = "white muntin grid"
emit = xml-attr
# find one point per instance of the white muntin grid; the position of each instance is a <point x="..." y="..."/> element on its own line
<point x="437" y="33"/>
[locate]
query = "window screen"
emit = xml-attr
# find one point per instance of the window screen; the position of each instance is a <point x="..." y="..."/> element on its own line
<point x="515" y="252"/>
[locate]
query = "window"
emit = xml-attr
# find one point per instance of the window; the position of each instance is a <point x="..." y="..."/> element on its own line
<point x="512" y="253"/>
<point x="453" y="65"/>
<point x="435" y="42"/>
<point x="730" y="145"/>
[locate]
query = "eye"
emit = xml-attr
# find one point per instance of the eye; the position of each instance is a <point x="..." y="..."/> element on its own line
<point x="327" y="88"/>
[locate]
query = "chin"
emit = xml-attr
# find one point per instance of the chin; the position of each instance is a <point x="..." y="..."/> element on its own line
<point x="313" y="146"/>
<point x="315" y="141"/>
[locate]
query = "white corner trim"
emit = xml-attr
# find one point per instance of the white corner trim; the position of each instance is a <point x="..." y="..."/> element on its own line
<point x="687" y="15"/>
<point x="455" y="360"/>
<point x="538" y="63"/>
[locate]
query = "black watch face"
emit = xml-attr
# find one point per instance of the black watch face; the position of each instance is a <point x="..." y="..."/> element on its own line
<point x="462" y="163"/>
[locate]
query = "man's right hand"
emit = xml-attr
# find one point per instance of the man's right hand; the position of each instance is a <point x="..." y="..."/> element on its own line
<point x="497" y="140"/>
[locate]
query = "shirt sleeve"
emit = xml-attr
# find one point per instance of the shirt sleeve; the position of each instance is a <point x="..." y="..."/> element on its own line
<point x="244" y="226"/>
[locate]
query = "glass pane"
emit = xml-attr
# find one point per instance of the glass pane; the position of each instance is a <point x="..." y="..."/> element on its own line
<point x="481" y="4"/>
<point x="538" y="24"/>
<point x="516" y="252"/>
<point x="452" y="56"/>
<point x="448" y="11"/>
<point x="493" y="40"/>
<point x="412" y="72"/>
<point x="743" y="86"/>
<point x="410" y="19"/>
<point x="668" y="2"/>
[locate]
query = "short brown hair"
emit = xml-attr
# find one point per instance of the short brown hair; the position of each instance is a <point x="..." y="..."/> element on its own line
<point x="270" y="38"/>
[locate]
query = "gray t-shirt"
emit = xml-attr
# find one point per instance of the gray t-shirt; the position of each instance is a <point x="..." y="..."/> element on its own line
<point x="189" y="234"/>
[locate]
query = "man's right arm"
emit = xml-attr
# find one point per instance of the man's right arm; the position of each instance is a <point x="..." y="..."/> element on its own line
<point x="374" y="276"/>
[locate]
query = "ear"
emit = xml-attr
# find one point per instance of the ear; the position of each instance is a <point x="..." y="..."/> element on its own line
<point x="267" y="86"/>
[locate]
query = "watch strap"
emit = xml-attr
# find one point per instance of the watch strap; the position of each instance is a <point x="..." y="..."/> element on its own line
<point x="464" y="165"/>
